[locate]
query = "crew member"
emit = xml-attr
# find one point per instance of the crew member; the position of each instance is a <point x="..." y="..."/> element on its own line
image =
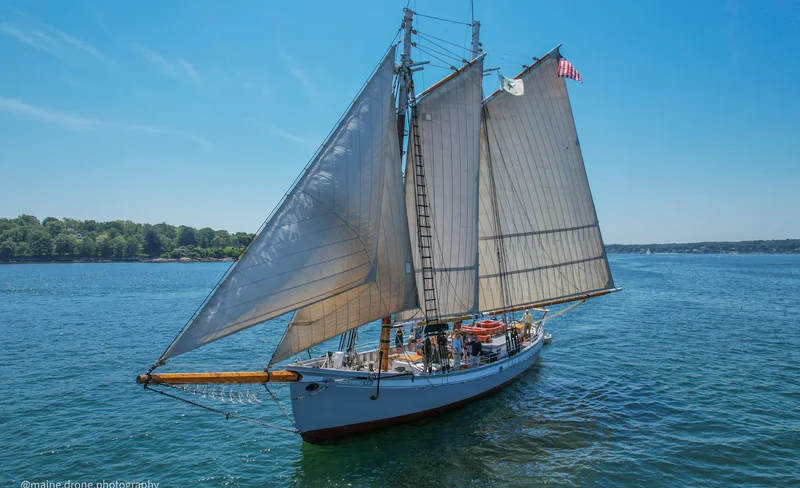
<point x="527" y="319"/>
<point x="456" y="345"/>
<point x="475" y="351"/>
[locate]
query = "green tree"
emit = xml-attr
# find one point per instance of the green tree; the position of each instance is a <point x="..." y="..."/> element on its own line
<point x="23" y="250"/>
<point x="54" y="226"/>
<point x="218" y="242"/>
<point x="66" y="244"/>
<point x="223" y="236"/>
<point x="86" y="248"/>
<point x="103" y="246"/>
<point x="131" y="247"/>
<point x="187" y="236"/>
<point x="26" y="220"/>
<point x="7" y="249"/>
<point x="205" y="236"/>
<point x="152" y="242"/>
<point x="41" y="244"/>
<point x="241" y="239"/>
<point x="119" y="245"/>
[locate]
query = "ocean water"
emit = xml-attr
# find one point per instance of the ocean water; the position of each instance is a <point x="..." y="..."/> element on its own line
<point x="690" y="376"/>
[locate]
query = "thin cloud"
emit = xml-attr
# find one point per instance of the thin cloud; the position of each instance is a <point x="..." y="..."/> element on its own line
<point x="50" y="40"/>
<point x="35" y="39"/>
<point x="303" y="78"/>
<point x="77" y="123"/>
<point x="289" y="136"/>
<point x="299" y="74"/>
<point x="178" y="67"/>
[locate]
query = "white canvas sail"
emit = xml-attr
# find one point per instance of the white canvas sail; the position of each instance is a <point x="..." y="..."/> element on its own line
<point x="323" y="238"/>
<point x="448" y="120"/>
<point x="392" y="291"/>
<point x="536" y="208"/>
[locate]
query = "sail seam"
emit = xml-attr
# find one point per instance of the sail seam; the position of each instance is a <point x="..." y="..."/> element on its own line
<point x="539" y="232"/>
<point x="549" y="266"/>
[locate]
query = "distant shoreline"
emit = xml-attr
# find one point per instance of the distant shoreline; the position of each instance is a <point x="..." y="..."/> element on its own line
<point x="107" y="261"/>
<point x="229" y="260"/>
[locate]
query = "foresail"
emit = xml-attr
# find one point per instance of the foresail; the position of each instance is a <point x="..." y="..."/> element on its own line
<point x="448" y="126"/>
<point x="536" y="208"/>
<point x="392" y="291"/>
<point x="322" y="240"/>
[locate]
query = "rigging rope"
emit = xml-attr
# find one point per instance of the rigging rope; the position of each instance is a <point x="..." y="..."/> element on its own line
<point x="227" y="415"/>
<point x="443" y="20"/>
<point x="451" y="53"/>
<point x="271" y="394"/>
<point x="428" y="37"/>
<point x="435" y="57"/>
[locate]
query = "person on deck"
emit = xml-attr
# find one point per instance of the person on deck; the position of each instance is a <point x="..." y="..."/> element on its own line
<point x="527" y="319"/>
<point x="398" y="340"/>
<point x="427" y="351"/>
<point x="465" y="347"/>
<point x="456" y="348"/>
<point x="475" y="351"/>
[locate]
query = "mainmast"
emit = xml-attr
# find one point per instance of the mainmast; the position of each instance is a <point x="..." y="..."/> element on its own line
<point x="476" y="44"/>
<point x="405" y="80"/>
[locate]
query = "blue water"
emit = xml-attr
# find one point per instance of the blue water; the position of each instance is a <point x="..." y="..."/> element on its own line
<point x="690" y="376"/>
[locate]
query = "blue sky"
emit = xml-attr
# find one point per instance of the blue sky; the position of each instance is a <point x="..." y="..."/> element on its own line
<point x="203" y="113"/>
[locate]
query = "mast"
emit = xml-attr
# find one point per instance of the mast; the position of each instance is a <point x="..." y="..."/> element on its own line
<point x="405" y="80"/>
<point x="476" y="34"/>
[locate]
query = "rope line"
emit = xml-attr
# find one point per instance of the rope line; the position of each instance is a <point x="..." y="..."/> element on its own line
<point x="455" y="55"/>
<point x="439" y="18"/>
<point x="227" y="415"/>
<point x="435" y="57"/>
<point x="425" y="35"/>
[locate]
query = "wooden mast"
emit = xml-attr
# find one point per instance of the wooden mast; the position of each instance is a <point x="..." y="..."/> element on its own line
<point x="402" y="109"/>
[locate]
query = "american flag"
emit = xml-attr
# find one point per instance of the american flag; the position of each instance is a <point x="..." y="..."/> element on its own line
<point x="566" y="70"/>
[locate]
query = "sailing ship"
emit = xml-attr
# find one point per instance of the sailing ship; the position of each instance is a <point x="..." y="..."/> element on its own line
<point x="491" y="215"/>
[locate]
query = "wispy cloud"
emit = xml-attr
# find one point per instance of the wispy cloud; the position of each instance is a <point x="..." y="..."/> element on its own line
<point x="78" y="123"/>
<point x="303" y="78"/>
<point x="289" y="136"/>
<point x="299" y="74"/>
<point x="174" y="67"/>
<point x="50" y="40"/>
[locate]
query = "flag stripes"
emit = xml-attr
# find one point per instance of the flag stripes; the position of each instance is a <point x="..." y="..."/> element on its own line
<point x="566" y="70"/>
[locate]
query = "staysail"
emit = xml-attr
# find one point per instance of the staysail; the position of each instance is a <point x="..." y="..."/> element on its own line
<point x="538" y="226"/>
<point x="323" y="238"/>
<point x="392" y="291"/>
<point x="447" y="124"/>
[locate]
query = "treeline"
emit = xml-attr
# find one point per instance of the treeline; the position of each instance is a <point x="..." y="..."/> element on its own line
<point x="785" y="246"/>
<point x="27" y="238"/>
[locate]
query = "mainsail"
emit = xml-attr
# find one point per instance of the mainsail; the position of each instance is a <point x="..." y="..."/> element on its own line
<point x="447" y="123"/>
<point x="539" y="235"/>
<point x="323" y="239"/>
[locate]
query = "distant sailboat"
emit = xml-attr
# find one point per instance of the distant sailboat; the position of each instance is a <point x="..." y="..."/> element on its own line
<point x="494" y="216"/>
<point x="648" y="251"/>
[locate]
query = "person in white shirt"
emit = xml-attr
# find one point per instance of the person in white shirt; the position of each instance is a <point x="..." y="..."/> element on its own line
<point x="457" y="349"/>
<point x="527" y="319"/>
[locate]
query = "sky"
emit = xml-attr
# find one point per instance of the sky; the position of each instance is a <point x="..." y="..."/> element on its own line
<point x="203" y="113"/>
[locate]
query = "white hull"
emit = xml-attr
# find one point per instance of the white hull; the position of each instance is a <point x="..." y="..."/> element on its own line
<point x="330" y="403"/>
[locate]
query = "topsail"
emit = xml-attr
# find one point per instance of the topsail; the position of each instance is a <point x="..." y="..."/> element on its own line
<point x="539" y="235"/>
<point x="323" y="238"/>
